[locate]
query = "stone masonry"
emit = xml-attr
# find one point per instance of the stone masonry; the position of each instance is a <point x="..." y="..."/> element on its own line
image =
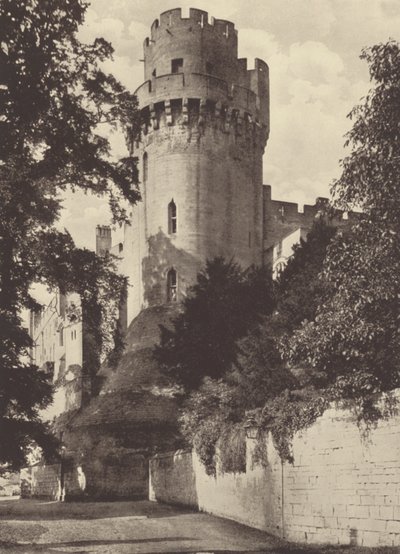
<point x="343" y="487"/>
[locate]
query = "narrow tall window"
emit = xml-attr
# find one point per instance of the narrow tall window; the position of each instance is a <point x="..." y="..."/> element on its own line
<point x="145" y="167"/>
<point x="172" y="219"/>
<point x="177" y="65"/>
<point x="171" y="286"/>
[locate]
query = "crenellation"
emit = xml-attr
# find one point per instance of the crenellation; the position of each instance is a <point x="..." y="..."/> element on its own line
<point x="242" y="64"/>
<point x="170" y="17"/>
<point x="196" y="113"/>
<point x="154" y="26"/>
<point x="198" y="16"/>
<point x="227" y="28"/>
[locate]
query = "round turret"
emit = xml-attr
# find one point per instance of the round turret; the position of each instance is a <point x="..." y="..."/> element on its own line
<point x="204" y="47"/>
<point x="205" y="124"/>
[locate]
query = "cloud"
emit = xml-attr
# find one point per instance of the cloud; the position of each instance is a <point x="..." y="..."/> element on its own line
<point x="81" y="214"/>
<point x="315" y="62"/>
<point x="311" y="95"/>
<point x="122" y="67"/>
<point x="126" y="38"/>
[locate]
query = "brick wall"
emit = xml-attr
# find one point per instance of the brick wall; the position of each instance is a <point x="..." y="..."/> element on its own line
<point x="344" y="485"/>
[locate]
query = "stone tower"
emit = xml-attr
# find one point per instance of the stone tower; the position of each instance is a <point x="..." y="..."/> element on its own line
<point x="103" y="240"/>
<point x="205" y="124"/>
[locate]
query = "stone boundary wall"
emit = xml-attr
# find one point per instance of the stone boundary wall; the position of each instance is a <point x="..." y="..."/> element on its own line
<point x="343" y="488"/>
<point x="125" y="477"/>
<point x="44" y="481"/>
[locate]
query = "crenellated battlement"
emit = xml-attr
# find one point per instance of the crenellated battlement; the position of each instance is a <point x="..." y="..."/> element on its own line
<point x="199" y="113"/>
<point x="282" y="218"/>
<point x="205" y="86"/>
<point x="199" y="51"/>
<point x="171" y="19"/>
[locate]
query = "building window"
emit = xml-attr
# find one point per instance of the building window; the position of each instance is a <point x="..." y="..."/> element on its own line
<point x="154" y="73"/>
<point x="61" y="337"/>
<point x="145" y="167"/>
<point x="209" y="68"/>
<point x="279" y="269"/>
<point x="172" y="219"/>
<point x="172" y="286"/>
<point x="177" y="65"/>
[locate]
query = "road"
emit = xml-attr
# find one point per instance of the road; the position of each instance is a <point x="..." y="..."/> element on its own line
<point x="39" y="526"/>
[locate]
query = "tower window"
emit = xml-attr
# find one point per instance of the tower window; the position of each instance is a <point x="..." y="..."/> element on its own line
<point x="177" y="65"/>
<point x="172" y="219"/>
<point x="171" y="286"/>
<point x="154" y="73"/>
<point x="145" y="167"/>
<point x="209" y="68"/>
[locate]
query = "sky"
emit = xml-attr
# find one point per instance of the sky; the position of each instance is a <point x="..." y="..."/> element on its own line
<point x="312" y="48"/>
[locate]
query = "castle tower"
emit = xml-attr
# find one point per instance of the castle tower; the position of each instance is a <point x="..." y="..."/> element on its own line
<point x="103" y="240"/>
<point x="205" y="124"/>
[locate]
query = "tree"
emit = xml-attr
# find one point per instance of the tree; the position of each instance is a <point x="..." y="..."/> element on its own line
<point x="220" y="308"/>
<point x="259" y="371"/>
<point x="300" y="287"/>
<point x="353" y="342"/>
<point x="54" y="101"/>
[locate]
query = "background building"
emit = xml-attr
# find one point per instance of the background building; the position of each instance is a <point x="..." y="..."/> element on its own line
<point x="57" y="333"/>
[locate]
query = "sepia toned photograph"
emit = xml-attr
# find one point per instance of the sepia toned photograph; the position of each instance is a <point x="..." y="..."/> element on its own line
<point x="200" y="277"/>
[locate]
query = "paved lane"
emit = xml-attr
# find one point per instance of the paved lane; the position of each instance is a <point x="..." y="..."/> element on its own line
<point x="33" y="526"/>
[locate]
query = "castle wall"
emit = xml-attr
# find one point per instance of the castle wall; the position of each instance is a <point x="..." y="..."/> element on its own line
<point x="283" y="219"/>
<point x="342" y="488"/>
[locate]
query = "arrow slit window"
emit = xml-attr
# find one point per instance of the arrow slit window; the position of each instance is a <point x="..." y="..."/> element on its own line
<point x="172" y="218"/>
<point x="172" y="285"/>
<point x="145" y="167"/>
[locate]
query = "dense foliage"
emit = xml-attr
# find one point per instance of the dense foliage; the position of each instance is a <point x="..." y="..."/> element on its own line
<point x="221" y="307"/>
<point x="209" y="414"/>
<point x="54" y="102"/>
<point x="353" y="343"/>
